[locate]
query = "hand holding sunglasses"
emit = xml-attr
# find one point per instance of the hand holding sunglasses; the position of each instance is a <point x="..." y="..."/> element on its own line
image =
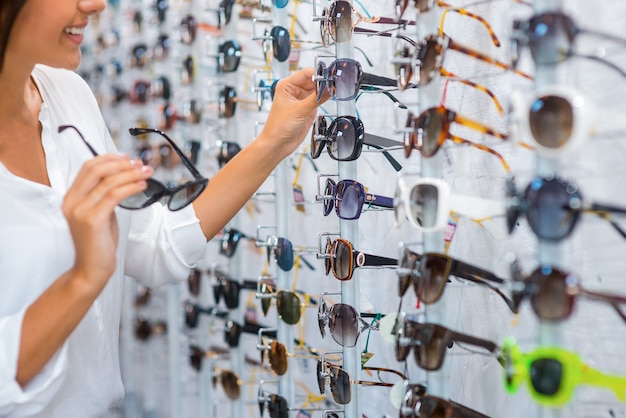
<point x="553" y="373"/>
<point x="553" y="206"/>
<point x="553" y="293"/>
<point x="176" y="197"/>
<point x="430" y="273"/>
<point x="430" y="342"/>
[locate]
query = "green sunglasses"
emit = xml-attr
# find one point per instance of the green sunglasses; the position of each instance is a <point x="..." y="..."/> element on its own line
<point x="552" y="374"/>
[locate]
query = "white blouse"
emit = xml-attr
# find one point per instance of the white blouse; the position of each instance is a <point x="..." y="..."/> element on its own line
<point x="156" y="246"/>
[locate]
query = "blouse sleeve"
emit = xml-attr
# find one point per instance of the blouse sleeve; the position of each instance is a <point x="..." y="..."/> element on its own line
<point x="17" y="401"/>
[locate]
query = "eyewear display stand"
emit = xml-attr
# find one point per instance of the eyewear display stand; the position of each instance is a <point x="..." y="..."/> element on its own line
<point x="428" y="96"/>
<point x="549" y="253"/>
<point x="349" y="230"/>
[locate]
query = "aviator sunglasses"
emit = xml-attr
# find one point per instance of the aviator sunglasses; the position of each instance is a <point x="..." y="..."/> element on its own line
<point x="552" y="207"/>
<point x="177" y="197"/>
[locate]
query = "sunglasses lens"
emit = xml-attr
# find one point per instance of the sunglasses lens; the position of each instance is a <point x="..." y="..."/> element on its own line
<point x="424" y="201"/>
<point x="552" y="301"/>
<point x="434" y="274"/>
<point x="278" y="407"/>
<point x="230" y="291"/>
<point x="288" y="306"/>
<point x="195" y="358"/>
<point x="320" y="74"/>
<point x="404" y="280"/>
<point x="340" y="15"/>
<point x="343" y="144"/>
<point x="552" y="208"/>
<point x="321" y="379"/>
<point x="185" y="195"/>
<point x="550" y="38"/>
<point x="227" y="103"/>
<point x="350" y="197"/>
<point x="230" y="382"/>
<point x="229" y="242"/>
<point x="266" y="302"/>
<point x="318" y="137"/>
<point x="284" y="254"/>
<point x="404" y="68"/>
<point x="340" y="386"/>
<point x="232" y="333"/>
<point x="512" y="205"/>
<point x="545" y="375"/>
<point x="281" y="43"/>
<point x="151" y="194"/>
<point x="342" y="262"/>
<point x="344" y="325"/>
<point x="431" y="124"/>
<point x="188" y="29"/>
<point x="429" y="57"/>
<point x="328" y="260"/>
<point x="430" y="350"/>
<point x="278" y="358"/>
<point x="331" y="191"/>
<point x="231" y="53"/>
<point x="191" y="316"/>
<point x="322" y="317"/>
<point x="551" y="121"/>
<point x="345" y="79"/>
<point x="193" y="282"/>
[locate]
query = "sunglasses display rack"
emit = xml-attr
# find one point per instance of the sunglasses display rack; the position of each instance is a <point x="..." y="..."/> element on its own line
<point x="466" y="91"/>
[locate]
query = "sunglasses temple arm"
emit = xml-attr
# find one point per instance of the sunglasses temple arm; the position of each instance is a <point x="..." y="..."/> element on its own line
<point x="380" y="142"/>
<point x="377" y="261"/>
<point x="369" y="79"/>
<point x="615" y="300"/>
<point x="591" y="376"/>
<point x="478" y="342"/>
<point x="482" y="280"/>
<point x="64" y="127"/>
<point x="485" y="58"/>
<point x="601" y="61"/>
<point x="495" y="153"/>
<point x="385" y="34"/>
<point x="479" y="127"/>
<point x="605" y="35"/>
<point x="464" y="411"/>
<point x="378" y="200"/>
<point x="465" y="12"/>
<point x="479" y="87"/>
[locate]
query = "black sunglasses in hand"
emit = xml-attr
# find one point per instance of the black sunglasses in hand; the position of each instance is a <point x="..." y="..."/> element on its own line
<point x="177" y="197"/>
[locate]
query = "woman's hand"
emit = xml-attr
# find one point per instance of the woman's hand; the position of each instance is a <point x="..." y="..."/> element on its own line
<point x="101" y="184"/>
<point x="293" y="111"/>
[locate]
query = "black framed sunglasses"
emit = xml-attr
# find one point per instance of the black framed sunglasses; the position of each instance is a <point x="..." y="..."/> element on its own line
<point x="553" y="292"/>
<point x="342" y="259"/>
<point x="340" y="382"/>
<point x="551" y="38"/>
<point x="230" y="240"/>
<point x="278" y="41"/>
<point x="226" y="151"/>
<point x="228" y="56"/>
<point x="430" y="341"/>
<point x="344" y="78"/>
<point x="228" y="289"/>
<point x="277" y="406"/>
<point x="344" y="322"/>
<point x="553" y="206"/>
<point x="429" y="273"/>
<point x="348" y="198"/>
<point x="176" y="197"/>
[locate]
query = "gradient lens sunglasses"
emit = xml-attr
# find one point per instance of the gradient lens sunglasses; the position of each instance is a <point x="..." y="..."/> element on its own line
<point x="553" y="206"/>
<point x="551" y="38"/>
<point x="176" y="197"/>
<point x="429" y="273"/>
<point x="344" y="322"/>
<point x="429" y="131"/>
<point x="343" y="139"/>
<point x="348" y="198"/>
<point x="340" y="383"/>
<point x="553" y="292"/>
<point x="430" y="342"/>
<point x="230" y="240"/>
<point x="344" y="78"/>
<point x="552" y="374"/>
<point x="339" y="20"/>
<point x="342" y="259"/>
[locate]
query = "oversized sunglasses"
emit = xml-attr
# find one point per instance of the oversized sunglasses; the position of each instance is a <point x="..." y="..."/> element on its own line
<point x="553" y="292"/>
<point x="429" y="273"/>
<point x="339" y="20"/>
<point x="228" y="56"/>
<point x="427" y="203"/>
<point x="340" y="383"/>
<point x="429" y="131"/>
<point x="344" y="139"/>
<point x="551" y="38"/>
<point x="344" y="78"/>
<point x="431" y="341"/>
<point x="348" y="198"/>
<point x="344" y="322"/>
<point x="342" y="259"/>
<point x="176" y="197"/>
<point x="552" y="374"/>
<point x="424" y="6"/>
<point x="230" y="240"/>
<point x="553" y="206"/>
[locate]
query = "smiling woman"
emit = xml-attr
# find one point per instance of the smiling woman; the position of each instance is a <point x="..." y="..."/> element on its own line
<point x="66" y="206"/>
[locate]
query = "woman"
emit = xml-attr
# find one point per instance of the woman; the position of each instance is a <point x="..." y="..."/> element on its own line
<point x="64" y="243"/>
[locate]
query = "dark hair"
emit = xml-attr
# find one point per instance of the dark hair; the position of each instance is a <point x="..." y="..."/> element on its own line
<point x="9" y="9"/>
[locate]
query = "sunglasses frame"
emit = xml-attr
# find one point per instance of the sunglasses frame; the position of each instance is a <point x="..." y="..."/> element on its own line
<point x="326" y="317"/>
<point x="335" y="198"/>
<point x="357" y="259"/>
